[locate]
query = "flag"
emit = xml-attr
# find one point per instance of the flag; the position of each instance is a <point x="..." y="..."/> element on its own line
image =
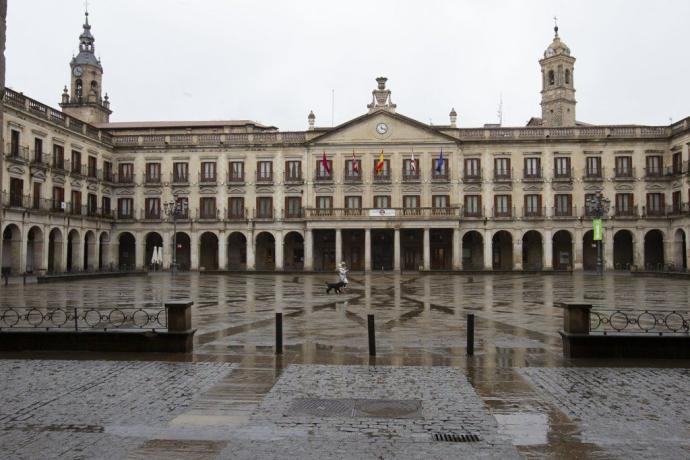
<point x="355" y="163"/>
<point x="439" y="162"/>
<point x="413" y="165"/>
<point x="324" y="163"/>
<point x="379" y="164"/>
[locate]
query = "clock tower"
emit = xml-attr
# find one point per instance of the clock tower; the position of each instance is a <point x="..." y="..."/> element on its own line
<point x="558" y="88"/>
<point x="84" y="100"/>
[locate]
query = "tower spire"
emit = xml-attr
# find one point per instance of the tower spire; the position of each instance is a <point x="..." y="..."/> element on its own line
<point x="555" y="26"/>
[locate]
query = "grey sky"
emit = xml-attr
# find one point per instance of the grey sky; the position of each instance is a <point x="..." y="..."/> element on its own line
<point x="273" y="61"/>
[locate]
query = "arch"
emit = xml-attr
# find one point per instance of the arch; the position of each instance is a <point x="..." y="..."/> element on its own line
<point x="237" y="251"/>
<point x="11" y="249"/>
<point x="567" y="76"/>
<point x="89" y="251"/>
<point x="126" y="252"/>
<point x="293" y="244"/>
<point x="78" y="88"/>
<point x="208" y="251"/>
<point x="562" y="250"/>
<point x="680" y="250"/>
<point x="623" y="249"/>
<point x="55" y="242"/>
<point x="265" y="251"/>
<point x="590" y="251"/>
<point x="502" y="250"/>
<point x="552" y="78"/>
<point x="73" y="250"/>
<point x="152" y="240"/>
<point x="103" y="252"/>
<point x="183" y="251"/>
<point x="654" y="250"/>
<point x="472" y="251"/>
<point x="532" y="251"/>
<point x="34" y="250"/>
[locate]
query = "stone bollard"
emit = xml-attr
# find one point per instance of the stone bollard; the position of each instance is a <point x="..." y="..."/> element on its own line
<point x="179" y="315"/>
<point x="575" y="317"/>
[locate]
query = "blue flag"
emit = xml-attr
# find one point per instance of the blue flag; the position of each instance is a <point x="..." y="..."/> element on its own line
<point x="439" y="162"/>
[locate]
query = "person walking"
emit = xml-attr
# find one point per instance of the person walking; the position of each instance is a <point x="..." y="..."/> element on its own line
<point x="342" y="271"/>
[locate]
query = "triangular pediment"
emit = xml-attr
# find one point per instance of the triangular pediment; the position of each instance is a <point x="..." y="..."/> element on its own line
<point x="383" y="127"/>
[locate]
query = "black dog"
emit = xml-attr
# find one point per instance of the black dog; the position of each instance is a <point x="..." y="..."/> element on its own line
<point x="335" y="287"/>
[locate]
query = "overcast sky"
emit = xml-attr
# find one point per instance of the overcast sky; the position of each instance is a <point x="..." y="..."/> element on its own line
<point x="273" y="61"/>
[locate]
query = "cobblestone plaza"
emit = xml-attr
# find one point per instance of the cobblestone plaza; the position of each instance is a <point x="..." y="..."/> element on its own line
<point x="325" y="397"/>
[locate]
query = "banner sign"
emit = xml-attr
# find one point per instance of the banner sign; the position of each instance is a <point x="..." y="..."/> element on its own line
<point x="597" y="229"/>
<point x="382" y="213"/>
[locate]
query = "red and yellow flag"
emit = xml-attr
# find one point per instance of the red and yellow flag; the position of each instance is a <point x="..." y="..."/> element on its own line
<point x="378" y="168"/>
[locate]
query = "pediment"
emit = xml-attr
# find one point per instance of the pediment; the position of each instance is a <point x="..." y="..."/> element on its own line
<point x="91" y="186"/>
<point x="533" y="188"/>
<point x="324" y="189"/>
<point x="440" y="189"/>
<point x="75" y="183"/>
<point x="472" y="188"/>
<point x="562" y="187"/>
<point x="352" y="189"/>
<point x="207" y="190"/>
<point x="654" y="186"/>
<point x="293" y="189"/>
<point x="14" y="169"/>
<point x="152" y="191"/>
<point x="503" y="188"/>
<point x="593" y="187"/>
<point x="125" y="192"/>
<point x="38" y="175"/>
<point x="624" y="187"/>
<point x="264" y="190"/>
<point x="399" y="129"/>
<point x="236" y="190"/>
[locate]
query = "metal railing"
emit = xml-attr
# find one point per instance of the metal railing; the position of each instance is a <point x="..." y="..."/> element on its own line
<point x="352" y="177"/>
<point x="630" y="212"/>
<point x="381" y="178"/>
<point x="410" y="176"/>
<point x="503" y="175"/>
<point x="17" y="152"/>
<point x="534" y="213"/>
<point x="624" y="173"/>
<point x="533" y="176"/>
<point x="658" y="173"/>
<point x="207" y="179"/>
<point x="264" y="178"/>
<point x="319" y="177"/>
<point x="443" y="176"/>
<point x="236" y="215"/>
<point x="503" y="213"/>
<point x="639" y="321"/>
<point x="593" y="174"/>
<point x="569" y="211"/>
<point x="75" y="319"/>
<point x="179" y="180"/>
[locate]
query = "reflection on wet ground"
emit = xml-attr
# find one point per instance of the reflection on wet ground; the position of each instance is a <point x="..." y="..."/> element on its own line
<point x="420" y="321"/>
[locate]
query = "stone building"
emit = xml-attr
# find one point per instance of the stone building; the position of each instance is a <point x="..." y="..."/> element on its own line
<point x="381" y="191"/>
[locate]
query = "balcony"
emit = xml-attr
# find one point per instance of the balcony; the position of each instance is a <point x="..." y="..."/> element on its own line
<point x="563" y="175"/>
<point x="264" y="178"/>
<point x="411" y="177"/>
<point x="472" y="176"/>
<point x="39" y="160"/>
<point x="417" y="213"/>
<point x="381" y="178"/>
<point x="236" y="215"/>
<point x="179" y="180"/>
<point x="502" y="213"/>
<point x="658" y="174"/>
<point x="472" y="213"/>
<point x="207" y="179"/>
<point x="532" y="175"/>
<point x="323" y="178"/>
<point x="92" y="174"/>
<point x="568" y="212"/>
<point x="151" y="215"/>
<point x="623" y="174"/>
<point x="16" y="152"/>
<point x="15" y="200"/>
<point x="503" y="175"/>
<point x="125" y="215"/>
<point x="352" y="177"/>
<point x="293" y="214"/>
<point x="60" y="166"/>
<point x="75" y="209"/>
<point x="443" y="176"/>
<point x="593" y="175"/>
<point x="627" y="212"/>
<point x="107" y="175"/>
<point x="294" y="178"/>
<point x="264" y="214"/>
<point x="152" y="180"/>
<point x="352" y="212"/>
<point x="655" y="212"/>
<point x="534" y="213"/>
<point x="123" y="179"/>
<point x="208" y="215"/>
<point x="77" y="170"/>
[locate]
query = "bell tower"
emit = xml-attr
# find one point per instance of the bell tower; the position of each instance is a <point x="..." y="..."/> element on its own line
<point x="83" y="100"/>
<point x="558" y="88"/>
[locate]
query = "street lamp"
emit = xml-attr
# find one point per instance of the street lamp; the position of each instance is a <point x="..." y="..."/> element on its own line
<point x="598" y="207"/>
<point x="176" y="208"/>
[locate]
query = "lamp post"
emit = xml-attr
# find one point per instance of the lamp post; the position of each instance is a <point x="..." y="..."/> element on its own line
<point x="597" y="208"/>
<point x="175" y="209"/>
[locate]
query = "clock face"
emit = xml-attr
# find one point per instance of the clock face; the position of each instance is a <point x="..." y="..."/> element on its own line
<point x="78" y="71"/>
<point x="382" y="128"/>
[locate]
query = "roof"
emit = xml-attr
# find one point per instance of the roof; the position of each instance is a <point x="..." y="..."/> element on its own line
<point x="179" y="124"/>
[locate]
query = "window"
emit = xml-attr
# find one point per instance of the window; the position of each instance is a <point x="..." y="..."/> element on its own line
<point x="624" y="167"/>
<point x="183" y="204"/>
<point x="382" y="201"/>
<point x="76" y="162"/>
<point x="353" y="169"/>
<point x="208" y="171"/>
<point x="385" y="172"/>
<point x="92" y="166"/>
<point x="654" y="166"/>
<point x="353" y="205"/>
<point x="677" y="163"/>
<point x="502" y="206"/>
<point x="236" y="207"/>
<point x="14" y="143"/>
<point x="264" y="207"/>
<point x="567" y="76"/>
<point x="105" y="205"/>
<point x="107" y="171"/>
<point x="624" y="204"/>
<point x="593" y="167"/>
<point x="293" y="206"/>
<point x="676" y="201"/>
<point x="126" y="172"/>
<point x="78" y="88"/>
<point x="533" y="206"/>
<point x="92" y="204"/>
<point x="37" y="195"/>
<point x="264" y="171"/>
<point x="655" y="204"/>
<point x="153" y="208"/>
<point x="293" y="170"/>
<point x="58" y="199"/>
<point x="76" y="202"/>
<point x="411" y="205"/>
<point x="38" y="150"/>
<point x="473" y="206"/>
<point x="324" y="202"/>
<point x="180" y="172"/>
<point x="552" y="78"/>
<point x="532" y="168"/>
<point x="58" y="157"/>
<point x="564" y="205"/>
<point x="153" y="172"/>
<point x="561" y="167"/>
<point x="16" y="192"/>
<point x="440" y="204"/>
<point x="207" y="206"/>
<point x="439" y="169"/>
<point x="472" y="168"/>
<point x="410" y="168"/>
<point x="323" y="172"/>
<point x="125" y="208"/>
<point x="502" y="168"/>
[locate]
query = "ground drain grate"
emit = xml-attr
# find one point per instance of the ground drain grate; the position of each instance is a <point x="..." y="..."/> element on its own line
<point x="454" y="437"/>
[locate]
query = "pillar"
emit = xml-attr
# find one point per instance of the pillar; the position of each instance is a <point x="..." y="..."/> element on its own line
<point x="608" y="249"/>
<point x="279" y="244"/>
<point x="457" y="249"/>
<point x="139" y="251"/>
<point x="547" y="253"/>
<point x="670" y="250"/>
<point x="488" y="250"/>
<point x="167" y="253"/>
<point x="427" y="250"/>
<point x="338" y="246"/>
<point x="44" y="249"/>
<point x="23" y="249"/>
<point x="63" y="250"/>
<point x="577" y="251"/>
<point x="251" y="263"/>
<point x="396" y="249"/>
<point x="308" y="250"/>
<point x="367" y="250"/>
<point x="194" y="251"/>
<point x="638" y="249"/>
<point x="222" y="251"/>
<point x="517" y="251"/>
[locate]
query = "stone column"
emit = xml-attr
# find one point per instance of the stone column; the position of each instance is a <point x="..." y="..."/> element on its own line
<point x="23" y="249"/>
<point x="63" y="249"/>
<point x="638" y="249"/>
<point x="167" y="252"/>
<point x="577" y="251"/>
<point x="396" y="249"/>
<point x="279" y="250"/>
<point x="44" y="249"/>
<point x="608" y="248"/>
<point x="488" y="250"/>
<point x="517" y="251"/>
<point x="308" y="250"/>
<point x="114" y="248"/>
<point x="338" y="247"/>
<point x="457" y="249"/>
<point x="139" y="252"/>
<point x="222" y="251"/>
<point x="251" y="263"/>
<point x="547" y="253"/>
<point x="427" y="250"/>
<point x="194" y="251"/>
<point x="367" y="250"/>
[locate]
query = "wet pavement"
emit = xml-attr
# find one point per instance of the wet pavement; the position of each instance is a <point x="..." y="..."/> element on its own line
<point x="523" y="398"/>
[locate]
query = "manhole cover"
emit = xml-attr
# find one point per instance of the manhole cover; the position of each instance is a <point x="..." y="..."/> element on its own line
<point x="373" y="408"/>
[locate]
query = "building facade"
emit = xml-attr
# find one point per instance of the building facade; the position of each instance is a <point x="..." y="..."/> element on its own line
<point x="380" y="192"/>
